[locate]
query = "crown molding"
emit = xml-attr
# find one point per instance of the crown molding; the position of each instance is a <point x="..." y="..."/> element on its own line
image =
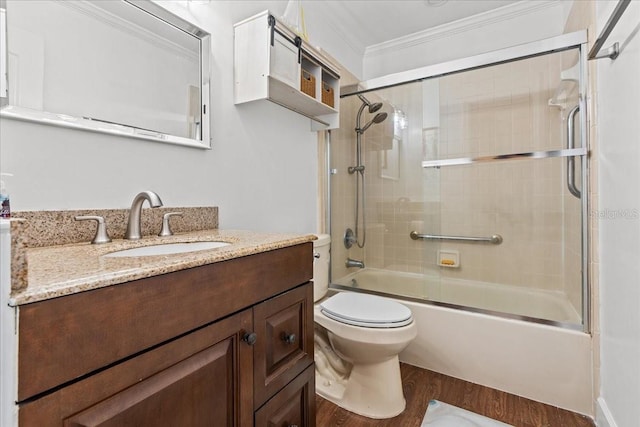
<point x="504" y="13"/>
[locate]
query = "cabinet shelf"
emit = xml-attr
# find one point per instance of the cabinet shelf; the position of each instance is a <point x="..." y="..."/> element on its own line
<point x="271" y="61"/>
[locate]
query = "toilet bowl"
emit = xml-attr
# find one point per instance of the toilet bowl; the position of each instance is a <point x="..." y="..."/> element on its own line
<point x="357" y="341"/>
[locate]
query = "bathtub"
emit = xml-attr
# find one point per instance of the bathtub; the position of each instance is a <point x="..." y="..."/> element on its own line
<point x="514" y="301"/>
<point x="536" y="360"/>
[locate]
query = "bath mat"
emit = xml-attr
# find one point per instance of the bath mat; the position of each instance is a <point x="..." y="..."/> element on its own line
<point x="441" y="414"/>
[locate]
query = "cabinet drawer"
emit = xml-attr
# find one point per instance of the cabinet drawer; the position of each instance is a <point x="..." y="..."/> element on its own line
<point x="295" y="405"/>
<point x="201" y="379"/>
<point x="284" y="327"/>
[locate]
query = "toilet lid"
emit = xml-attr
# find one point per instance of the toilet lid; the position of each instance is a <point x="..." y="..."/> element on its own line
<point x="369" y="311"/>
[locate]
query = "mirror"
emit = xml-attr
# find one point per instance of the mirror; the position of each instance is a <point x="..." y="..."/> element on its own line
<point x="125" y="67"/>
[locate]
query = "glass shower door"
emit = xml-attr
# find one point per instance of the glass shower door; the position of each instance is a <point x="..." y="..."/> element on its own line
<point x="476" y="189"/>
<point x="507" y="156"/>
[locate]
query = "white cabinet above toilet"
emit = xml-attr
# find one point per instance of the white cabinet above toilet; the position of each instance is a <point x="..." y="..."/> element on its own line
<point x="272" y="62"/>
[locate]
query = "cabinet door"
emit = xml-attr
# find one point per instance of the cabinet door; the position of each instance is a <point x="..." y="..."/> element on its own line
<point x="284" y="64"/>
<point x="284" y="328"/>
<point x="194" y="392"/>
<point x="292" y="406"/>
<point x="201" y="379"/>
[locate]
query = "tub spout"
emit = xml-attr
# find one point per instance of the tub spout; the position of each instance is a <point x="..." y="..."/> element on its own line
<point x="354" y="263"/>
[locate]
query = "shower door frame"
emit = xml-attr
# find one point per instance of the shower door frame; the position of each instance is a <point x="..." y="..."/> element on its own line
<point x="575" y="40"/>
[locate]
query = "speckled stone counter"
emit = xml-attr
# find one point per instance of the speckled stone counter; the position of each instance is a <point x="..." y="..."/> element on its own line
<point x="48" y="228"/>
<point x="56" y="271"/>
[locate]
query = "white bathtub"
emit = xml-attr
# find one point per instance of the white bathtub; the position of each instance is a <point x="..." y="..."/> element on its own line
<point x="545" y="363"/>
<point x="515" y="300"/>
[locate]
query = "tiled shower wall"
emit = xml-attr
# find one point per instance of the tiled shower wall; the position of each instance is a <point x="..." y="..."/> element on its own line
<point x="495" y="110"/>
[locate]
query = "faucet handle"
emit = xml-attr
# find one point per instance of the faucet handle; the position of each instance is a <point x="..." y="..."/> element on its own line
<point x="101" y="231"/>
<point x="166" y="227"/>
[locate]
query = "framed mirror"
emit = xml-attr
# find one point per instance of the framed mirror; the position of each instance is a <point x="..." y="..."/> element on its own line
<point x="123" y="67"/>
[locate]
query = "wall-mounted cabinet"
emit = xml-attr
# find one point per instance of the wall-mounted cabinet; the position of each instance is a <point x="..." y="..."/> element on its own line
<point x="272" y="62"/>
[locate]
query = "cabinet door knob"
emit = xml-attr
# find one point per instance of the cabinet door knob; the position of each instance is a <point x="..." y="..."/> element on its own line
<point x="289" y="338"/>
<point x="250" y="338"/>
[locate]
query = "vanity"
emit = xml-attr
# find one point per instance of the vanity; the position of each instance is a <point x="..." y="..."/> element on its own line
<point x="213" y="337"/>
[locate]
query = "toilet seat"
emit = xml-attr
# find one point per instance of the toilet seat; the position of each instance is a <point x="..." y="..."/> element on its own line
<point x="369" y="311"/>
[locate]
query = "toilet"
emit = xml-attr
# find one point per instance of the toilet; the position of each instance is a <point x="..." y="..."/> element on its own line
<point x="357" y="341"/>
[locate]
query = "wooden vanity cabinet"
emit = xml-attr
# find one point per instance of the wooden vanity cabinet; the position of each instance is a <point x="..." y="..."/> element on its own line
<point x="251" y="361"/>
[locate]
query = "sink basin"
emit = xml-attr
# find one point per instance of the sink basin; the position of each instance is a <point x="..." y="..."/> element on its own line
<point x="167" y="249"/>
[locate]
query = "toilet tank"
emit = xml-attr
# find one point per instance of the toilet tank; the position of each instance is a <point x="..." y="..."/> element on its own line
<point x="321" y="248"/>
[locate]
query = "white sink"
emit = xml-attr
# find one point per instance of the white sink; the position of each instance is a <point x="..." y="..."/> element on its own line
<point x="167" y="249"/>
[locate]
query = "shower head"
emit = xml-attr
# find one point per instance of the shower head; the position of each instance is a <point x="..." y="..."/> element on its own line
<point x="373" y="107"/>
<point x="378" y="118"/>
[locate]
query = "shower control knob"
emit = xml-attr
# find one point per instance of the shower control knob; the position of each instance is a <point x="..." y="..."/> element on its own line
<point x="289" y="338"/>
<point x="250" y="338"/>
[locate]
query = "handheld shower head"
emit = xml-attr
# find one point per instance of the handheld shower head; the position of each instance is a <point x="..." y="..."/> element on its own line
<point x="378" y="118"/>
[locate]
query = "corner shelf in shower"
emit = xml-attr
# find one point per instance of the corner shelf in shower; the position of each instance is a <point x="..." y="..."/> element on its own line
<point x="568" y="86"/>
<point x="272" y="62"/>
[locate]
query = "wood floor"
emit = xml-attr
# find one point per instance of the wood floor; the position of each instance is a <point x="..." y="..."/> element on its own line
<point x="421" y="385"/>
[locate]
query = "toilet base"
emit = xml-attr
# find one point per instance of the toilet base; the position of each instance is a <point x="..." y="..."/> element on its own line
<point x="372" y="390"/>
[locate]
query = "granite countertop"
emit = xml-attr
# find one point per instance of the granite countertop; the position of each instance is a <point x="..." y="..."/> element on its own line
<point x="56" y="271"/>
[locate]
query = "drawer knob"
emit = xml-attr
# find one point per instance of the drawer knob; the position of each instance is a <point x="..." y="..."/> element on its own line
<point x="289" y="338"/>
<point x="250" y="338"/>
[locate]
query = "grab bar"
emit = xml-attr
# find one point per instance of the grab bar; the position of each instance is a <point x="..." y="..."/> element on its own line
<point x="571" y="161"/>
<point x="613" y="51"/>
<point x="496" y="239"/>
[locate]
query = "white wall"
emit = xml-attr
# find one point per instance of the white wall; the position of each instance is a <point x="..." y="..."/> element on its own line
<point x="518" y="23"/>
<point x="618" y="219"/>
<point x="261" y="171"/>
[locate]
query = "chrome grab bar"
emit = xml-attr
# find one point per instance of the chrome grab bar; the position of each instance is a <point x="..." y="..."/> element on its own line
<point x="571" y="161"/>
<point x="496" y="239"/>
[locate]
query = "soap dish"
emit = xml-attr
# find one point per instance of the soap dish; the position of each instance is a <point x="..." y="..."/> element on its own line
<point x="448" y="258"/>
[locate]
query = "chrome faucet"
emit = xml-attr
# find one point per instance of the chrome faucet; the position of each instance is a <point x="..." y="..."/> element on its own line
<point x="354" y="263"/>
<point x="133" y="226"/>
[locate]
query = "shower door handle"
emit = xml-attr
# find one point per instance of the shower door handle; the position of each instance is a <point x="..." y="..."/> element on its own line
<point x="571" y="161"/>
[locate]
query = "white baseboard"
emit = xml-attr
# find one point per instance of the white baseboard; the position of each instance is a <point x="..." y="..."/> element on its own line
<point x="603" y="415"/>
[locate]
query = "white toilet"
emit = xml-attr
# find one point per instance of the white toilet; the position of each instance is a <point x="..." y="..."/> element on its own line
<point x="357" y="341"/>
